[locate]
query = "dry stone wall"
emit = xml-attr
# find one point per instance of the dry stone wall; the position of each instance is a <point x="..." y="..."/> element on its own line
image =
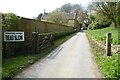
<point x="101" y="44"/>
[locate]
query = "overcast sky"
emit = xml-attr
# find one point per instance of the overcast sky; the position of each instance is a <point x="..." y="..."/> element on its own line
<point x="31" y="8"/>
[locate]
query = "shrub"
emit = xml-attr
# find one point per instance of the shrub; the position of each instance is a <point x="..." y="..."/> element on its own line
<point x="100" y="34"/>
<point x="96" y="25"/>
<point x="99" y="21"/>
<point x="10" y="21"/>
<point x="84" y="27"/>
<point x="15" y="49"/>
<point x="14" y="65"/>
<point x="118" y="20"/>
<point x="90" y="26"/>
<point x="109" y="65"/>
<point x="93" y="25"/>
<point x="62" y="34"/>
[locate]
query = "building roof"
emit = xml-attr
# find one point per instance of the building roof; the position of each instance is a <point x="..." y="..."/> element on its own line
<point x="67" y="16"/>
<point x="44" y="16"/>
<point x="70" y="16"/>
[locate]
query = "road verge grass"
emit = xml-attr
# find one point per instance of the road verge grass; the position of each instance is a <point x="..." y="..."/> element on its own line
<point x="100" y="34"/>
<point x="12" y="66"/>
<point x="109" y="65"/>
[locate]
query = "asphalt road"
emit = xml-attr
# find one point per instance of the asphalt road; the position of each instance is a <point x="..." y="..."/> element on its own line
<point x="73" y="59"/>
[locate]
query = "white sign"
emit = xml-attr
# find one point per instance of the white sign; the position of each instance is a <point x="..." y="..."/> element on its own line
<point x="13" y="36"/>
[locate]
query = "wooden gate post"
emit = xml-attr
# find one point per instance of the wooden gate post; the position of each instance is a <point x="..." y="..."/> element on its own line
<point x="108" y="44"/>
<point x="34" y="42"/>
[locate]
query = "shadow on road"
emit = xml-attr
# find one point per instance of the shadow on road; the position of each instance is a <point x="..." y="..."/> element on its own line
<point x="55" y="52"/>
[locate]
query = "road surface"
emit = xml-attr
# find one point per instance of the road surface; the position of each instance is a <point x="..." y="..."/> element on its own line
<point x="73" y="59"/>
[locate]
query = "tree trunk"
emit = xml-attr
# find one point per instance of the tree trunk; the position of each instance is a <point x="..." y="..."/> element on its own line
<point x="115" y="23"/>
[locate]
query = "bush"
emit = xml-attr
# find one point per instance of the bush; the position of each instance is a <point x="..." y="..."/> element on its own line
<point x="100" y="34"/>
<point x="96" y="25"/>
<point x="62" y="34"/>
<point x="118" y="20"/>
<point x="84" y="27"/>
<point x="93" y="26"/>
<point x="99" y="21"/>
<point x="14" y="65"/>
<point x="10" y="21"/>
<point x="109" y="65"/>
<point x="19" y="48"/>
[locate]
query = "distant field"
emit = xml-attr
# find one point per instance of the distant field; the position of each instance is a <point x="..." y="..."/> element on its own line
<point x="100" y="34"/>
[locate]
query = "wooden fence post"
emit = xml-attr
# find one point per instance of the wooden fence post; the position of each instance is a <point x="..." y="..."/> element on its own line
<point x="118" y="37"/>
<point x="46" y="27"/>
<point x="108" y="44"/>
<point x="34" y="42"/>
<point x="1" y="45"/>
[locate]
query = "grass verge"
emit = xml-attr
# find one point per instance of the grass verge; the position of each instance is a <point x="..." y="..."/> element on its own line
<point x="100" y="34"/>
<point x="14" y="65"/>
<point x="109" y="65"/>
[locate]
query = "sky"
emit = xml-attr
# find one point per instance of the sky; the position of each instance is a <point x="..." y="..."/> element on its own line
<point x="31" y="8"/>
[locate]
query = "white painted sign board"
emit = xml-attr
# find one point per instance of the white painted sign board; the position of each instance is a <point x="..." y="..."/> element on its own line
<point x="13" y="36"/>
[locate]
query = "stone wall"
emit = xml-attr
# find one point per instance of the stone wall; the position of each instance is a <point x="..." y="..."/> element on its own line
<point x="102" y="45"/>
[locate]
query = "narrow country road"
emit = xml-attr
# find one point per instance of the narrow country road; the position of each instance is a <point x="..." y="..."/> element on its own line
<point x="73" y="59"/>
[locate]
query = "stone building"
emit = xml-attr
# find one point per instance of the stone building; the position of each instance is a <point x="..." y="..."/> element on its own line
<point x="70" y="17"/>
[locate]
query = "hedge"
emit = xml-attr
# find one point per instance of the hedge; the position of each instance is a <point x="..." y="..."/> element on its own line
<point x="21" y="48"/>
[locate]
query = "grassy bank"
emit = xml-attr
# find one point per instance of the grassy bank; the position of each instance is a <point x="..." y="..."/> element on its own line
<point x="100" y="34"/>
<point x="109" y="65"/>
<point x="15" y="65"/>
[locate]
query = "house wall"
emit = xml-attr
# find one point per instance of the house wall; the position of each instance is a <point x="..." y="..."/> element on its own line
<point x="71" y="23"/>
<point x="77" y="26"/>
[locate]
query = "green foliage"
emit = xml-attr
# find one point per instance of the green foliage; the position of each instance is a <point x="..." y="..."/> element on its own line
<point x="91" y="17"/>
<point x="108" y="9"/>
<point x="14" y="65"/>
<point x="77" y="7"/>
<point x="10" y="21"/>
<point x="62" y="34"/>
<point x="118" y="19"/>
<point x="84" y="27"/>
<point x="100" y="34"/>
<point x="73" y="8"/>
<point x="109" y="65"/>
<point x="56" y="17"/>
<point x="102" y="20"/>
<point x="81" y="13"/>
<point x="118" y="8"/>
<point x="99" y="21"/>
<point x="96" y="25"/>
<point x="66" y="8"/>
